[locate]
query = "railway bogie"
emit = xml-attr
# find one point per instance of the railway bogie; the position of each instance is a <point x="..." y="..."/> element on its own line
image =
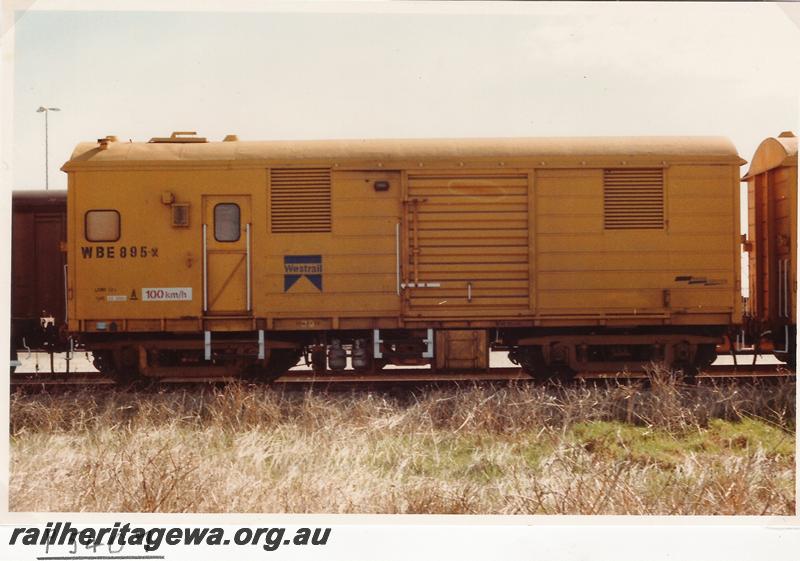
<point x="563" y="353"/>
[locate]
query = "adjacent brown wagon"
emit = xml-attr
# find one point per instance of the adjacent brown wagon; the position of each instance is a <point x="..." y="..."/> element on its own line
<point x="772" y="244"/>
<point x="38" y="259"/>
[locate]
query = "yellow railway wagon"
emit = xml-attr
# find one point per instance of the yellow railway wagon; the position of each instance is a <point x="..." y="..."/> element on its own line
<point x="573" y="254"/>
<point x="772" y="243"/>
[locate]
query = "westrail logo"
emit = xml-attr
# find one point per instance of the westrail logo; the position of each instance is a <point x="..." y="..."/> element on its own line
<point x="297" y="266"/>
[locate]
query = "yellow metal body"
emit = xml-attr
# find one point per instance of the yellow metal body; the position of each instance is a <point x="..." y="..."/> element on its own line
<point x="392" y="234"/>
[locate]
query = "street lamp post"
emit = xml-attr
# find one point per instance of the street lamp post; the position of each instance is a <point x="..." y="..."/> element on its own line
<point x="46" y="110"/>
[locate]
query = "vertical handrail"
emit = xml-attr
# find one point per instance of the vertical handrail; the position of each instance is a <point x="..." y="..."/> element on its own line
<point x="66" y="296"/>
<point x="205" y="268"/>
<point x="397" y="255"/>
<point x="780" y="288"/>
<point x="787" y="292"/>
<point x="785" y="286"/>
<point x="249" y="293"/>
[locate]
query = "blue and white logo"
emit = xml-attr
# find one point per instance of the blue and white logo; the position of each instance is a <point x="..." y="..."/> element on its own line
<point x="297" y="266"/>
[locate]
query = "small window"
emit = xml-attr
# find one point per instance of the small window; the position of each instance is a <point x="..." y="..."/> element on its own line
<point x="180" y="215"/>
<point x="226" y="222"/>
<point x="102" y="225"/>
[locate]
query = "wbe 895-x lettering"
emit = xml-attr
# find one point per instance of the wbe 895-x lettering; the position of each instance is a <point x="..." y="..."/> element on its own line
<point x="118" y="252"/>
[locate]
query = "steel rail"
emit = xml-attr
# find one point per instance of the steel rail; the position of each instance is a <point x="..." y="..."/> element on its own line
<point x="400" y="376"/>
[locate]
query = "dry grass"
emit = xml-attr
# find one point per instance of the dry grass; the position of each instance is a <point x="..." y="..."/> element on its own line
<point x="521" y="449"/>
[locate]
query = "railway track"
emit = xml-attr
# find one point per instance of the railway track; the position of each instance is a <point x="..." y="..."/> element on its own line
<point x="408" y="376"/>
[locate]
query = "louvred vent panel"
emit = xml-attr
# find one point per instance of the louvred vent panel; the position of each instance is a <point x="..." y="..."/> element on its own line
<point x="300" y="200"/>
<point x="633" y="199"/>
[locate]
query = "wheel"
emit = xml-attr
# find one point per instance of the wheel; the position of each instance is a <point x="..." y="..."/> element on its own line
<point x="789" y="358"/>
<point x="103" y="361"/>
<point x="319" y="359"/>
<point x="280" y="360"/>
<point x="705" y="356"/>
<point x="562" y="374"/>
<point x="125" y="366"/>
<point x="531" y="360"/>
<point x="689" y="371"/>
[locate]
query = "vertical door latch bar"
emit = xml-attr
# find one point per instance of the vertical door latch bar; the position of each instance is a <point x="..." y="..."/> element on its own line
<point x="397" y="254"/>
<point x="205" y="268"/>
<point x="249" y="291"/>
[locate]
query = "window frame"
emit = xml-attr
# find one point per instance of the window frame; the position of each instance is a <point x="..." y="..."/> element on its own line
<point x="86" y="225"/>
<point x="238" y="222"/>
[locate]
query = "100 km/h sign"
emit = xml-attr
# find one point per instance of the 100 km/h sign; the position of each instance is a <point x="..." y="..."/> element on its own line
<point x="166" y="294"/>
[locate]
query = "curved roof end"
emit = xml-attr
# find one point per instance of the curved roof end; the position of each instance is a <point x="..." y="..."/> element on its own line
<point x="780" y="151"/>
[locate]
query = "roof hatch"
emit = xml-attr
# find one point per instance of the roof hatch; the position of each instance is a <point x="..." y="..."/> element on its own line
<point x="180" y="137"/>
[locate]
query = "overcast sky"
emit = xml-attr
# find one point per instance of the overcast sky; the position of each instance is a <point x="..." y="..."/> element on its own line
<point x="400" y="71"/>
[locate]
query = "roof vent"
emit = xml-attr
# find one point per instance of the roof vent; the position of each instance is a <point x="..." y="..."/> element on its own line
<point x="230" y="138"/>
<point x="180" y="137"/>
<point x="103" y="142"/>
<point x="786" y="134"/>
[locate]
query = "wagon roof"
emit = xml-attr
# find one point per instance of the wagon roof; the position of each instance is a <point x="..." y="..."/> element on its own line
<point x="780" y="151"/>
<point x="54" y="200"/>
<point x="712" y="149"/>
